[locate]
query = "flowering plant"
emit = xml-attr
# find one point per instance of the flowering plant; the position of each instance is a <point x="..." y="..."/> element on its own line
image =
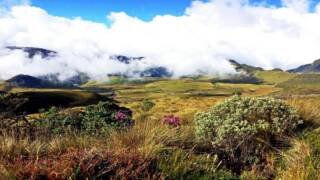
<point x="99" y="119"/>
<point x="172" y="120"/>
<point x="120" y="116"/>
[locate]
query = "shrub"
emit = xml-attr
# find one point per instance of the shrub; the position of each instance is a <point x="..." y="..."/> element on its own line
<point x="172" y="120"/>
<point x="2" y="96"/>
<point x="147" y="105"/>
<point x="95" y="120"/>
<point x="54" y="122"/>
<point x="237" y="92"/>
<point x="243" y="128"/>
<point x="98" y="119"/>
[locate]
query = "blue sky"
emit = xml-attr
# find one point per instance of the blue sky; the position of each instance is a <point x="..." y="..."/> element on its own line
<point x="96" y="10"/>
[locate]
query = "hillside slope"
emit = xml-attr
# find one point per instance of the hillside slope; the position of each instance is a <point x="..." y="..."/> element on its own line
<point x="306" y="84"/>
<point x="308" y="68"/>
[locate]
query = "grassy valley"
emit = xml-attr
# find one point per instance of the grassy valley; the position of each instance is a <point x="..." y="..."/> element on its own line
<point x="163" y="141"/>
<point x="159" y="90"/>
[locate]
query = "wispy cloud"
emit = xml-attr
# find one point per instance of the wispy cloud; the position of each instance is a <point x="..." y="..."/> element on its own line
<point x="198" y="41"/>
<point x="6" y="5"/>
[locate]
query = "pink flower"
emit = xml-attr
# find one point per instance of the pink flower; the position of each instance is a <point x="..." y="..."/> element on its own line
<point x="172" y="120"/>
<point x="120" y="116"/>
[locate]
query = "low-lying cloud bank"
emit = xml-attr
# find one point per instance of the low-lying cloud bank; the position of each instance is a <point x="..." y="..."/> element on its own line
<point x="197" y="42"/>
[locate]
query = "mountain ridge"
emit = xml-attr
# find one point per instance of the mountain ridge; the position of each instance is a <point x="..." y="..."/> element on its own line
<point x="33" y="51"/>
<point x="313" y="67"/>
<point x="160" y="71"/>
<point x="27" y="81"/>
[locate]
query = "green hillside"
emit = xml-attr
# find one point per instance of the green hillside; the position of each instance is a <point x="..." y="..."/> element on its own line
<point x="302" y="84"/>
<point x="274" y="77"/>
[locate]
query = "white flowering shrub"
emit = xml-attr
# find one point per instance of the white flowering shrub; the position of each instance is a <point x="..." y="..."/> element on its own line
<point x="245" y="127"/>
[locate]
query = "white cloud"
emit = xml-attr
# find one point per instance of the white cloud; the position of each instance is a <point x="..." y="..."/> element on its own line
<point x="5" y="5"/>
<point x="298" y="5"/>
<point x="200" y="40"/>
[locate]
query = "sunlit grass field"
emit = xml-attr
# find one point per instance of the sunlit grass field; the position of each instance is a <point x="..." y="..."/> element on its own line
<point x="178" y="155"/>
<point x="274" y="77"/>
<point x="302" y="84"/>
<point x="183" y="97"/>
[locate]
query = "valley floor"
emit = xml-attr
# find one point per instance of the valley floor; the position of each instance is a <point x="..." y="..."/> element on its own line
<point x="153" y="150"/>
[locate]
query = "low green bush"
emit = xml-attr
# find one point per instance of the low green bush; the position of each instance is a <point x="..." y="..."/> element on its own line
<point x="242" y="129"/>
<point x="2" y="96"/>
<point x="237" y="92"/>
<point x="147" y="105"/>
<point x="100" y="118"/>
<point x="54" y="122"/>
<point x="96" y="120"/>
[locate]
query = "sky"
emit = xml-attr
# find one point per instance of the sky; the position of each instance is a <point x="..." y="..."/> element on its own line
<point x="96" y="10"/>
<point x="186" y="37"/>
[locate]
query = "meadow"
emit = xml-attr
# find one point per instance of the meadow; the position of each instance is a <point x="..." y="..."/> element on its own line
<point x="162" y="143"/>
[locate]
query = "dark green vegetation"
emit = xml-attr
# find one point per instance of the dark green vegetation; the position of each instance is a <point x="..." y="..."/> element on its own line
<point x="26" y="81"/>
<point x="31" y="102"/>
<point x="239" y="79"/>
<point x="218" y="136"/>
<point x="95" y="120"/>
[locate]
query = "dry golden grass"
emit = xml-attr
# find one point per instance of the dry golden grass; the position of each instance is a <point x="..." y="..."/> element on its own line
<point x="145" y="138"/>
<point x="308" y="108"/>
<point x="299" y="165"/>
<point x="149" y="137"/>
<point x="11" y="146"/>
<point x="14" y="151"/>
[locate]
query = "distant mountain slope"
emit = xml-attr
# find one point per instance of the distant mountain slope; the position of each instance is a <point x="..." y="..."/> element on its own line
<point x="76" y="80"/>
<point x="302" y="84"/>
<point x="246" y="76"/>
<point x="274" y="76"/>
<point x="302" y="79"/>
<point x="150" y="72"/>
<point x="33" y="51"/>
<point x="308" y="68"/>
<point x="82" y="77"/>
<point x="156" y="72"/>
<point x="27" y="81"/>
<point x="244" y="67"/>
<point x="125" y="59"/>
